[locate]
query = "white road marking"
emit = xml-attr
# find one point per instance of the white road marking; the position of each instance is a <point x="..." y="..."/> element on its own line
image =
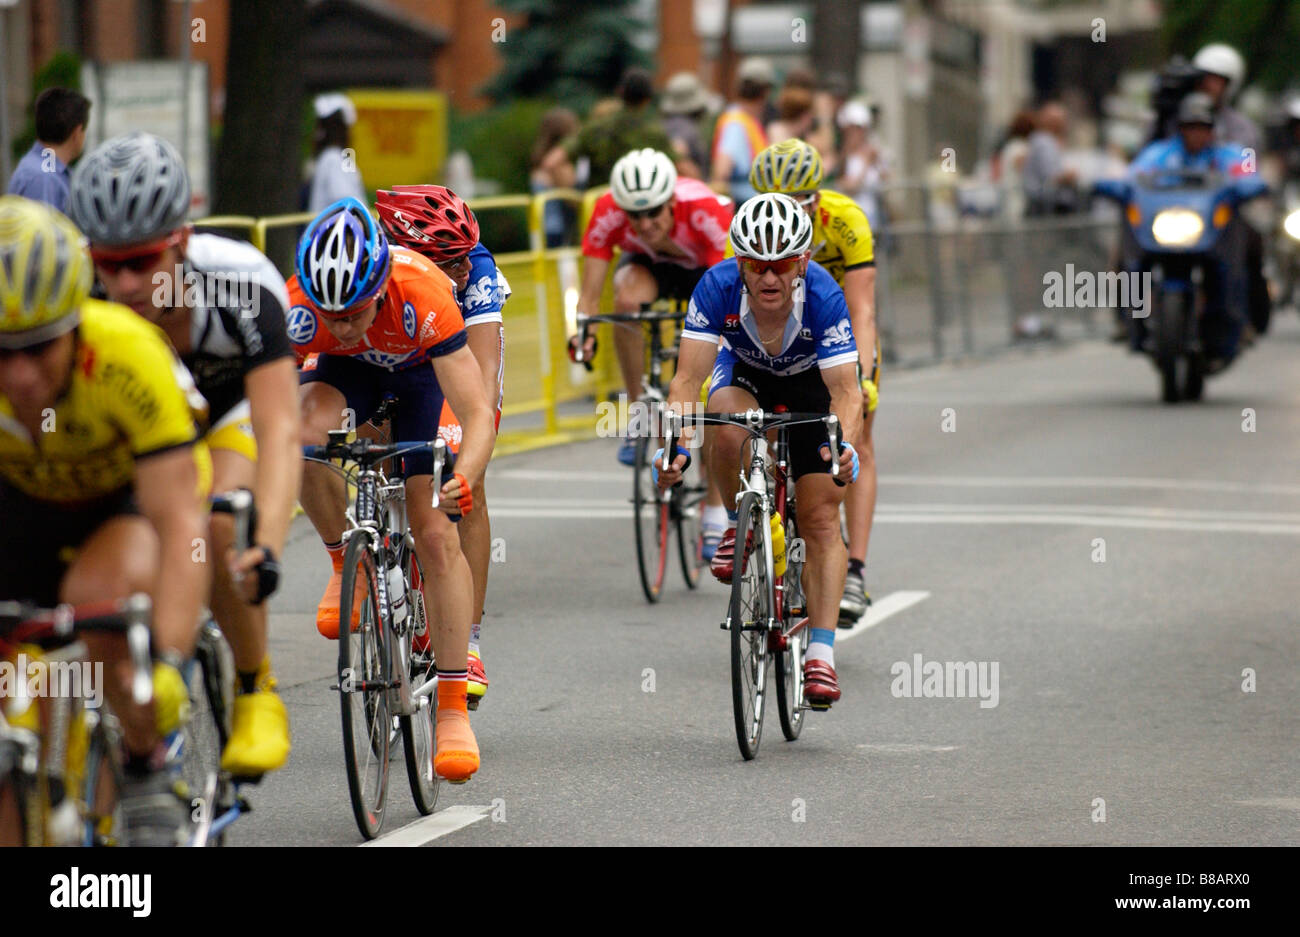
<point x="427" y="829"/>
<point x="561" y="475"/>
<point x="881" y="609"/>
<point x="1279" y="803"/>
<point x="906" y="748"/>
<point x="1092" y="521"/>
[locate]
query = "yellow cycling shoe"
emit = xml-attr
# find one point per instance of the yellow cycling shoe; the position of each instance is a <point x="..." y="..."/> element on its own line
<point x="171" y="698"/>
<point x="259" y="730"/>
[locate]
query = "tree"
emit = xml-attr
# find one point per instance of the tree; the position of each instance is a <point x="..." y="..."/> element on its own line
<point x="258" y="171"/>
<point x="1265" y="32"/>
<point x="571" y="50"/>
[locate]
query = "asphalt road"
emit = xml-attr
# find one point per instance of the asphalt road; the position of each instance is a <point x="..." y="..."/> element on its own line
<point x="1125" y="712"/>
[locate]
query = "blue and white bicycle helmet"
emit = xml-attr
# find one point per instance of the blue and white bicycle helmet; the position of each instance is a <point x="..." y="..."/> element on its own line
<point x="343" y="258"/>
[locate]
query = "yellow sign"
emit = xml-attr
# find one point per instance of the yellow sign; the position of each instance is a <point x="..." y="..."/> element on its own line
<point x="400" y="136"/>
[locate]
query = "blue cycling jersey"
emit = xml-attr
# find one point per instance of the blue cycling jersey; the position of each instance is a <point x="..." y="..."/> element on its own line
<point x="817" y="332"/>
<point x="487" y="289"/>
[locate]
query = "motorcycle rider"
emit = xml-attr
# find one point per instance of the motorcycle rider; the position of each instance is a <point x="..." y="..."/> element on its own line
<point x="1195" y="148"/>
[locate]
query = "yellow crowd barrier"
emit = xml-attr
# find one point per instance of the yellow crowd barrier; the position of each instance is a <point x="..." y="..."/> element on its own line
<point x="539" y="316"/>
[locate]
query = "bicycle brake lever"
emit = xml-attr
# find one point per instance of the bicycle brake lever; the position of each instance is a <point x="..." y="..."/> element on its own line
<point x="833" y="431"/>
<point x="439" y="459"/>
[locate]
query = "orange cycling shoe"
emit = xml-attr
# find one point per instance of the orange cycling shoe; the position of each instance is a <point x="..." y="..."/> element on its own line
<point x="456" y="757"/>
<point x="327" y="612"/>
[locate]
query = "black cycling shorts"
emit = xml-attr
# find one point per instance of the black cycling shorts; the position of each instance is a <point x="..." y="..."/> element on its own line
<point x="673" y="280"/>
<point x="44" y="537"/>
<point x="805" y="392"/>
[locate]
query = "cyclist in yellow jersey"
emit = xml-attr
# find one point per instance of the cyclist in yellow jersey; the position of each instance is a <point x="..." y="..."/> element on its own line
<point x="102" y="479"/>
<point x="842" y="244"/>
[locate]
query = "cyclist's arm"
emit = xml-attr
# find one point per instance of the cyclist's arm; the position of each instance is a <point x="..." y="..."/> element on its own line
<point x="167" y="491"/>
<point x="485" y="343"/>
<point x="846" y="400"/>
<point x="458" y="376"/>
<point x="594" y="271"/>
<point x="860" y="294"/>
<point x="695" y="359"/>
<point x="272" y="390"/>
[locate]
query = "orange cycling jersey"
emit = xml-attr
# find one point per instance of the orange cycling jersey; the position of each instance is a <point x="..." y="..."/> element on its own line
<point x="418" y="319"/>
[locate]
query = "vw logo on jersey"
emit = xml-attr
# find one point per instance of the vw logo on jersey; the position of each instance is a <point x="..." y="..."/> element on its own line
<point x="408" y="320"/>
<point x="806" y="334"/>
<point x="301" y="325"/>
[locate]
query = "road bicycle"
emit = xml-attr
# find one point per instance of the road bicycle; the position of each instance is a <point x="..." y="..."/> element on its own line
<point x="766" y="615"/>
<point x="60" y="759"/>
<point x="383" y="676"/>
<point x="656" y="514"/>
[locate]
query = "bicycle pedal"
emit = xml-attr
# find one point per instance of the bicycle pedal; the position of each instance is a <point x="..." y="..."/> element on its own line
<point x="461" y="781"/>
<point x="471" y="702"/>
<point x="246" y="779"/>
<point x="816" y="707"/>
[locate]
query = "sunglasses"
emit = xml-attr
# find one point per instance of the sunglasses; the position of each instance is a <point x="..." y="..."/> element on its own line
<point x="34" y="350"/>
<point x="453" y="263"/>
<point x="138" y="260"/>
<point x="646" y="213"/>
<point x="779" y="267"/>
<point x="806" y="200"/>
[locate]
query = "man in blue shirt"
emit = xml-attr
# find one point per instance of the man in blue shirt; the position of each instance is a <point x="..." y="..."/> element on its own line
<point x="1194" y="146"/>
<point x="42" y="174"/>
<point x="786" y="339"/>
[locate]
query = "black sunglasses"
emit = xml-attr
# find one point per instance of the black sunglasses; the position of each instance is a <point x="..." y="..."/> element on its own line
<point x="647" y="213"/>
<point x="34" y="350"/>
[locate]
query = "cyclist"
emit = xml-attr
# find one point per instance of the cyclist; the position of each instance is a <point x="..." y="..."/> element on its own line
<point x="375" y="320"/>
<point x="786" y="339"/>
<point x="434" y="221"/>
<point x="222" y="304"/>
<point x="102" y="480"/>
<point x="842" y="244"/>
<point x="670" y="231"/>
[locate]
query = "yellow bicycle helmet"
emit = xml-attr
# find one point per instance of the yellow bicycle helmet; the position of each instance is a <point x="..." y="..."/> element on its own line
<point x="787" y="167"/>
<point x="45" y="273"/>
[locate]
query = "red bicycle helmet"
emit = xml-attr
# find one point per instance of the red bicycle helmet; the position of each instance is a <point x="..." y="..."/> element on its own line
<point x="430" y="219"/>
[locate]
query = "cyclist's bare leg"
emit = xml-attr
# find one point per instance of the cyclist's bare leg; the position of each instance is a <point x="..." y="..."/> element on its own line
<point x="117" y="560"/>
<point x="475" y="530"/>
<point x="448" y="592"/>
<point x="726" y="442"/>
<point x="244" y="625"/>
<point x="826" y="559"/>
<point x="324" y="496"/>
<point x="633" y="288"/>
<point x="860" y="503"/>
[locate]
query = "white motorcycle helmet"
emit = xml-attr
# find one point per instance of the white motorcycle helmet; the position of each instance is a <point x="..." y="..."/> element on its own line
<point x="1223" y="60"/>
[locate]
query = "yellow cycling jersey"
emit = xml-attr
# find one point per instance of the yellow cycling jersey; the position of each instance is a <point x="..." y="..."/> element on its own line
<point x="841" y="236"/>
<point x="128" y="397"/>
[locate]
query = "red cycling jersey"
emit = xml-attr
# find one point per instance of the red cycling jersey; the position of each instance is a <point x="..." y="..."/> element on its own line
<point x="418" y="319"/>
<point x="701" y="219"/>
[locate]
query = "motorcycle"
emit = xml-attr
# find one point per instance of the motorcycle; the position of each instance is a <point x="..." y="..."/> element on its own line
<point x="1179" y="230"/>
<point x="1286" y="246"/>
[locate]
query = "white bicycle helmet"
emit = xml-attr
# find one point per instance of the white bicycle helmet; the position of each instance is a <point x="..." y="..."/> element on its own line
<point x="128" y="190"/>
<point x="642" y="179"/>
<point x="1222" y="60"/>
<point x="770" y="227"/>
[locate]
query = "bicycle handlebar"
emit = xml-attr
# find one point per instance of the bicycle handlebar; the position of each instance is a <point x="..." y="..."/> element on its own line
<point x="367" y="453"/>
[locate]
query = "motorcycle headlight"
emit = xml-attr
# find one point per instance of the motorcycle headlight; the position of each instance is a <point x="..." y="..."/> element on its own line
<point x="1177" y="227"/>
<point x="1292" y="225"/>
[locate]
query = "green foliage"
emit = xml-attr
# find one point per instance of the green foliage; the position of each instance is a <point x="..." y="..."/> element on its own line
<point x="1265" y="32"/>
<point x="63" y="70"/>
<point x="571" y="50"/>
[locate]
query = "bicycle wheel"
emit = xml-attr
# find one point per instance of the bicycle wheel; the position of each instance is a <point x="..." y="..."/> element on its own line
<point x="650" y="517"/>
<point x="417" y="729"/>
<point x="749" y="614"/>
<point x="688" y="506"/>
<point x="363" y="687"/>
<point x="104" y="824"/>
<point x="789" y="663"/>
<point x="203" y="737"/>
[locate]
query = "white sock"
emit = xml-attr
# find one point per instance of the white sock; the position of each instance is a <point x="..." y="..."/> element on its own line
<point x="715" y="515"/>
<point x="474" y="634"/>
<point x="821" y="646"/>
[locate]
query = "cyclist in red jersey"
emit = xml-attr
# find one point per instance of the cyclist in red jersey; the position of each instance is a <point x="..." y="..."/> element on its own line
<point x="374" y="320"/>
<point x="670" y="231"/>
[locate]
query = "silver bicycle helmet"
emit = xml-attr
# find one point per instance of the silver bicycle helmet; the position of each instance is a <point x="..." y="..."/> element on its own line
<point x="642" y="179"/>
<point x="130" y="189"/>
<point x="770" y="227"/>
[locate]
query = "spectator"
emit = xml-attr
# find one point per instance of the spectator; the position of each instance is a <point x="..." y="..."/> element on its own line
<point x="558" y="124"/>
<point x="605" y="139"/>
<point x="335" y="175"/>
<point x="739" y="134"/>
<point x="1049" y="184"/>
<point x="42" y="174"/>
<point x="1009" y="163"/>
<point x="794" y="115"/>
<point x="864" y="166"/>
<point x="685" y="104"/>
